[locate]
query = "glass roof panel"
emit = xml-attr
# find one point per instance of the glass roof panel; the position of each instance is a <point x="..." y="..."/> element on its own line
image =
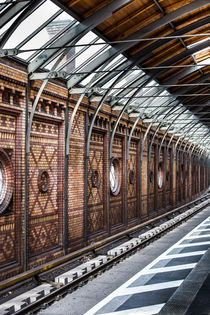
<point x="6" y="26"/>
<point x="31" y="23"/>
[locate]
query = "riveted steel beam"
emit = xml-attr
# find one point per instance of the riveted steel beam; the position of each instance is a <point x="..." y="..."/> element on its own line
<point x="8" y="52"/>
<point x="48" y="75"/>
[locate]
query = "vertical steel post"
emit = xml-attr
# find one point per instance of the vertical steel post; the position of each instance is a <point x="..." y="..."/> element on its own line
<point x="126" y="178"/>
<point x="87" y="145"/>
<point x="66" y="173"/>
<point x="25" y="229"/>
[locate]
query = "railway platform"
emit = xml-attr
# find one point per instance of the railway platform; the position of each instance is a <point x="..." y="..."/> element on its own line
<point x="169" y="276"/>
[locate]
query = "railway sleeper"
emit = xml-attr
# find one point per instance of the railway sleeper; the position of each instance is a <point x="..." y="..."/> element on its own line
<point x="77" y="272"/>
<point x="29" y="297"/>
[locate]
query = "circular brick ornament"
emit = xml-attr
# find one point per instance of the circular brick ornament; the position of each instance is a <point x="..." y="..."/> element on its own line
<point x="131" y="176"/>
<point x="151" y="176"/>
<point x="167" y="175"/>
<point x="43" y="181"/>
<point x="95" y="178"/>
<point x="6" y="180"/>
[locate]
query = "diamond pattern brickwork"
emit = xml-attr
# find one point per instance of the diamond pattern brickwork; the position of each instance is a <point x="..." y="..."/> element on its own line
<point x="43" y="207"/>
<point x="116" y="202"/>
<point x="76" y="181"/>
<point x="132" y="185"/>
<point x="96" y="207"/>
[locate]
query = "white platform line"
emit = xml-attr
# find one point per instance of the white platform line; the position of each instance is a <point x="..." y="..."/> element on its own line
<point x="197" y="236"/>
<point x="146" y="310"/>
<point x="201" y="230"/>
<point x="170" y="268"/>
<point x="192" y="244"/>
<point x="150" y="287"/>
<point x="179" y="255"/>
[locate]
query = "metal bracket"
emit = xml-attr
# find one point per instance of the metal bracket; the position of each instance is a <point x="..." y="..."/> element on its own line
<point x="8" y="52"/>
<point x="49" y="75"/>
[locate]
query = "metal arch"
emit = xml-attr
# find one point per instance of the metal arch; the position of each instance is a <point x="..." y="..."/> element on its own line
<point x="188" y="150"/>
<point x="174" y="151"/>
<point x="118" y="79"/>
<point x="143" y="142"/>
<point x="167" y="147"/>
<point x="80" y="29"/>
<point x="28" y="131"/>
<point x="120" y="115"/>
<point x="119" y="48"/>
<point x="75" y="111"/>
<point x="185" y="148"/>
<point x="166" y="132"/>
<point x="179" y="149"/>
<point x="29" y="10"/>
<point x="130" y="136"/>
<point x="135" y="84"/>
<point x="198" y="47"/>
<point x="156" y="131"/>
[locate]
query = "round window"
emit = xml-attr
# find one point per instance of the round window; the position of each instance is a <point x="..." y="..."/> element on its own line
<point x="182" y="174"/>
<point x="6" y="180"/>
<point x="115" y="177"/>
<point x="160" y="175"/>
<point x="1" y="179"/>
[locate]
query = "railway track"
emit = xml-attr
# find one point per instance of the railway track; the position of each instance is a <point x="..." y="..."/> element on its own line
<point x="65" y="282"/>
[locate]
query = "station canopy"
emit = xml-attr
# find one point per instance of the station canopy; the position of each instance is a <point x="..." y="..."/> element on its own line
<point x="149" y="59"/>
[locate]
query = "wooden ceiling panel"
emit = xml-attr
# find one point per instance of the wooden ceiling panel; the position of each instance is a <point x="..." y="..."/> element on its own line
<point x="163" y="55"/>
<point x="171" y="5"/>
<point x="192" y="17"/>
<point x="123" y="23"/>
<point x="85" y="8"/>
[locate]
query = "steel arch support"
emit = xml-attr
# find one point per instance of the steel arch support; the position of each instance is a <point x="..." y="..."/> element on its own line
<point x="120" y="116"/>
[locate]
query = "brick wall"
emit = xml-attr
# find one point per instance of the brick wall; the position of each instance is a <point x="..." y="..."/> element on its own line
<point x="93" y="212"/>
